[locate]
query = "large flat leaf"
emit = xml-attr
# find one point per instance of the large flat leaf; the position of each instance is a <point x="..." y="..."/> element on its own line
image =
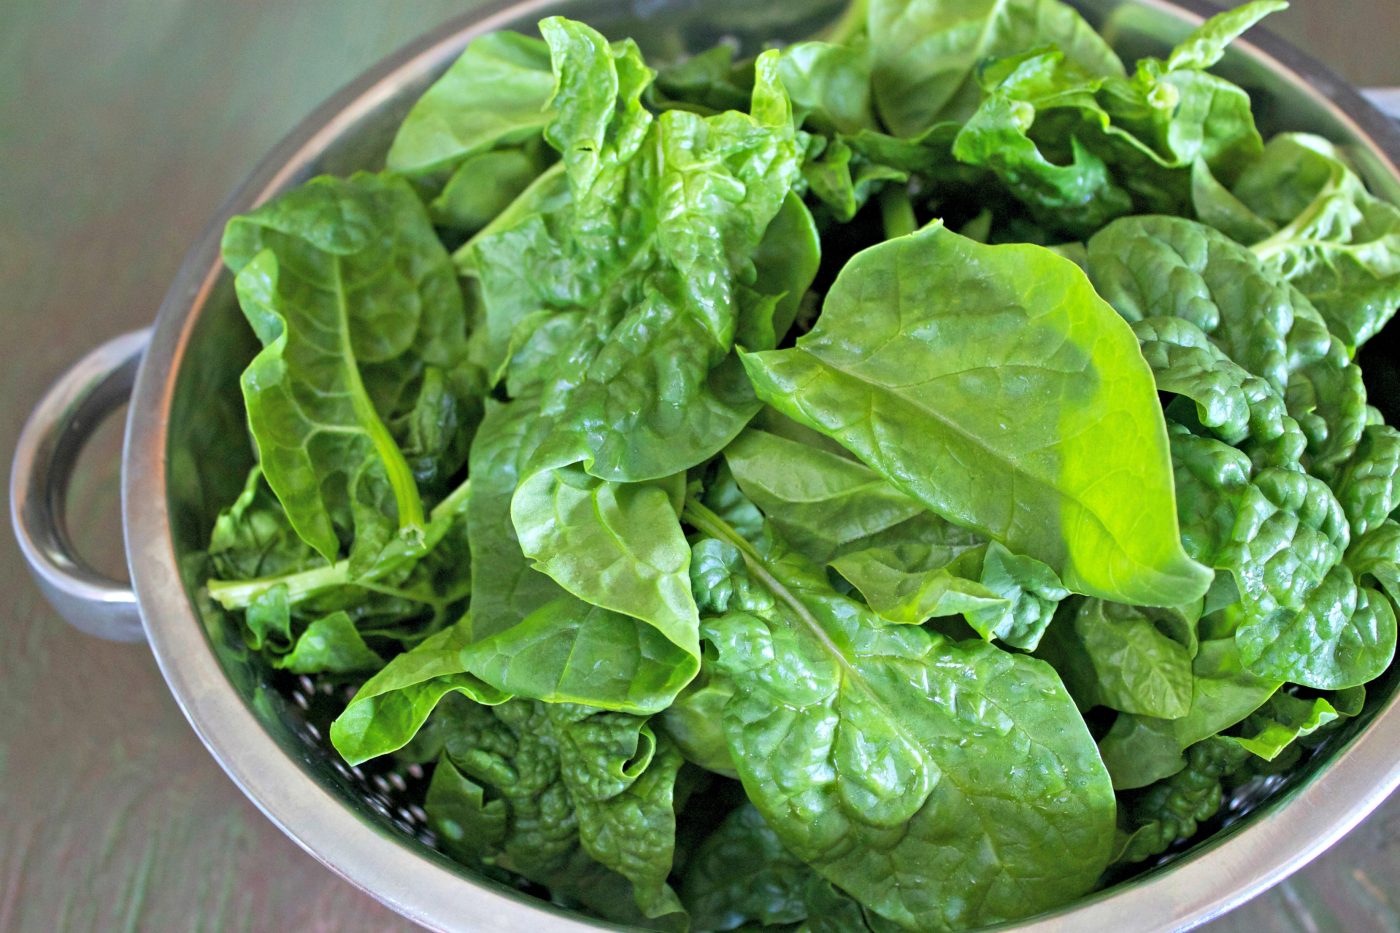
<point x="993" y="385"/>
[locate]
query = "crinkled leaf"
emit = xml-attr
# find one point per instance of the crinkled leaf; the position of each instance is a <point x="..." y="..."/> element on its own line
<point x="1206" y="45"/>
<point x="1338" y="243"/>
<point x="978" y="756"/>
<point x="1028" y="593"/>
<point x="1168" y="266"/>
<point x="741" y="874"/>
<point x="1231" y="403"/>
<point x="585" y="798"/>
<point x="1368" y="486"/>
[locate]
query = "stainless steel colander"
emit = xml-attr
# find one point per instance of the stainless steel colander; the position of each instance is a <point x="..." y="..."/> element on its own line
<point x="185" y="458"/>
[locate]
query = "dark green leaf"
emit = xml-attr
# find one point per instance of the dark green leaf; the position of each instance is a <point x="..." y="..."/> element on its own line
<point x="1166" y="266"/>
<point x="742" y="874"/>
<point x="975" y="756"/>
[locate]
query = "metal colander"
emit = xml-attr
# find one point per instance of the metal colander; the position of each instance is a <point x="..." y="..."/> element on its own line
<point x="268" y="730"/>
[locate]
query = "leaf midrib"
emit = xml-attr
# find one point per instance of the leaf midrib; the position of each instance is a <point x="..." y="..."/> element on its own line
<point x="401" y="481"/>
<point x="952" y="427"/>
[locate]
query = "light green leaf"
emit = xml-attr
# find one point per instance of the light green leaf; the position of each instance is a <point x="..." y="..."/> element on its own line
<point x="494" y="94"/>
<point x="340" y="278"/>
<point x="925" y="53"/>
<point x="390" y="707"/>
<point x="1021" y="387"/>
<point x="618" y="546"/>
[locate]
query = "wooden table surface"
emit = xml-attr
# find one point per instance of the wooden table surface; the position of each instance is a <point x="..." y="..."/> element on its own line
<point x="123" y="124"/>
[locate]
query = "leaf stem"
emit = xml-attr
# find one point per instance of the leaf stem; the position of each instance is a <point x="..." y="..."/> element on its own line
<point x="897" y="212"/>
<point x="711" y="524"/>
<point x="396" y="468"/>
<point x="851" y="23"/>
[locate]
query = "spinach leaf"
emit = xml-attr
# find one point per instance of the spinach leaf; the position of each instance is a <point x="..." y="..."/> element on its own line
<point x="1298" y="614"/>
<point x="742" y="875"/>
<point x="581" y="801"/>
<point x="616" y="545"/>
<point x="1334" y="240"/>
<point x="1028" y="593"/>
<point x="662" y="217"/>
<point x="844" y="179"/>
<point x="694" y="722"/>
<point x="1147" y="266"/>
<point x="343" y="281"/>
<point x="1171" y="809"/>
<point x="1281" y="721"/>
<point x="484" y="186"/>
<point x="707" y="83"/>
<point x="829" y="86"/>
<point x="330" y="645"/>
<point x="1080" y="147"/>
<point x="252" y="537"/>
<point x="1230" y="403"/>
<point x="1139" y="750"/>
<point x="390" y="707"/>
<point x="620" y="548"/>
<point x="1074" y="192"/>
<point x="505" y="588"/>
<point x="568" y="651"/>
<point x="1132" y="664"/>
<point x="994" y="386"/>
<point x="1368" y="485"/>
<point x="495" y="94"/>
<point x="925" y="53"/>
<point x="932" y="574"/>
<point x="822" y="502"/>
<point x="785" y="263"/>
<point x="834" y="683"/>
<point x="1206" y="45"/>
<point x="410" y="591"/>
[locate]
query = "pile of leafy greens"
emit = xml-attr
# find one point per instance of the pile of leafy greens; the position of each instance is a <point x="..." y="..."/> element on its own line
<point x="892" y="482"/>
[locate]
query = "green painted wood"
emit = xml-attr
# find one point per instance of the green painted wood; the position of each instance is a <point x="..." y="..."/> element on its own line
<point x="123" y="124"/>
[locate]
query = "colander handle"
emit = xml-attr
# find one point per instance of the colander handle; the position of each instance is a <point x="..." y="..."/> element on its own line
<point x="48" y="448"/>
